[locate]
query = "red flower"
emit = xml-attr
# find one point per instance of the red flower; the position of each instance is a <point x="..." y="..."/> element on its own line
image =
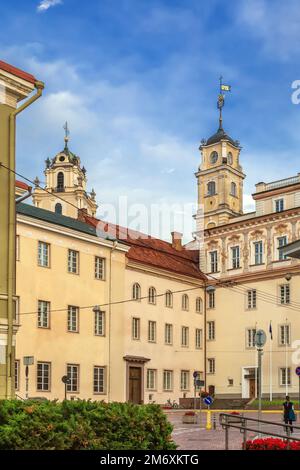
<point x="271" y="443"/>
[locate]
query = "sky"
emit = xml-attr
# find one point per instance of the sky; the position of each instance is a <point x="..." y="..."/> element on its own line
<point x="137" y="81"/>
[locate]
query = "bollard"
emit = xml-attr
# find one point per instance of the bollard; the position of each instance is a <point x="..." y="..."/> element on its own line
<point x="214" y="420"/>
<point x="208" y="420"/>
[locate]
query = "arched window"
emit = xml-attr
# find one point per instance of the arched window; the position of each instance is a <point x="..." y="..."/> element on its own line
<point x="233" y="189"/>
<point x="60" y="181"/>
<point x="136" y="291"/>
<point x="152" y="295"/>
<point x="58" y="208"/>
<point x="169" y="299"/>
<point x="211" y="188"/>
<point x="199" y="305"/>
<point x="185" y="302"/>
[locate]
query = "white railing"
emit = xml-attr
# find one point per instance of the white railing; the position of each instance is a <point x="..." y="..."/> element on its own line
<point x="280" y="183"/>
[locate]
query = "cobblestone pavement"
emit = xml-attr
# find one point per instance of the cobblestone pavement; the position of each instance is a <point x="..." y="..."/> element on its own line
<point x="196" y="437"/>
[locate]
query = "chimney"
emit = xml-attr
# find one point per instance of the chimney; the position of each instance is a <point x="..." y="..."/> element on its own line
<point x="177" y="240"/>
<point x="82" y="214"/>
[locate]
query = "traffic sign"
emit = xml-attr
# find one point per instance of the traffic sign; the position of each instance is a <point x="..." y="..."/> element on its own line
<point x="208" y="400"/>
<point x="260" y="338"/>
<point x="298" y="371"/>
<point x="199" y="383"/>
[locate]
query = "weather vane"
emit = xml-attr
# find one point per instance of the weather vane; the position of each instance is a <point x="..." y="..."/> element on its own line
<point x="67" y="133"/>
<point x="221" y="99"/>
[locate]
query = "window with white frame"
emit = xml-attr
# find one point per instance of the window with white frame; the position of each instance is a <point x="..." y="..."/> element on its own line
<point x="184" y="380"/>
<point x="281" y="242"/>
<point x="198" y="338"/>
<point x="73" y="319"/>
<point x="169" y="299"/>
<point x="152" y="295"/>
<point x="136" y="328"/>
<point x="151" y="379"/>
<point x="258" y="252"/>
<point x="73" y="376"/>
<point x="17" y="374"/>
<point x="250" y="337"/>
<point x="136" y="291"/>
<point x="184" y="336"/>
<point x="284" y="335"/>
<point x="43" y="254"/>
<point x="73" y="261"/>
<point x="235" y="257"/>
<point x="251" y="299"/>
<point x="185" y="302"/>
<point x="213" y="261"/>
<point x="99" y="268"/>
<point x="199" y="305"/>
<point x="168" y="333"/>
<point x="211" y="330"/>
<point x="99" y="323"/>
<point x="43" y="376"/>
<point x="285" y="376"/>
<point x="99" y="379"/>
<point x="284" y="294"/>
<point x="211" y="362"/>
<point x="211" y="299"/>
<point x="43" y="314"/>
<point x="168" y="380"/>
<point x="279" y="205"/>
<point x="152" y="331"/>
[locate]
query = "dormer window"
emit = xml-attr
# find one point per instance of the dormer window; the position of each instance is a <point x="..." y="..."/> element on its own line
<point x="60" y="182"/>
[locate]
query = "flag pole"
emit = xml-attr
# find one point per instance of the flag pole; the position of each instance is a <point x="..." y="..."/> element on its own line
<point x="270" y="359"/>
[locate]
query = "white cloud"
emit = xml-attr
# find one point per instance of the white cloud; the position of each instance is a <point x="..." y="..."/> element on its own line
<point x="44" y="5"/>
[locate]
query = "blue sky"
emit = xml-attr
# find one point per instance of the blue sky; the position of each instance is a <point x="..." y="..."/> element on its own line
<point x="137" y="81"/>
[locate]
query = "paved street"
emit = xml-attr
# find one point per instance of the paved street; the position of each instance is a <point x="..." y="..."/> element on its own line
<point x="194" y="437"/>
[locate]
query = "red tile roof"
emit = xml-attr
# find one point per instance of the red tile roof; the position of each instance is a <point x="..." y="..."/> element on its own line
<point x="22" y="185"/>
<point x="152" y="251"/>
<point x="17" y="72"/>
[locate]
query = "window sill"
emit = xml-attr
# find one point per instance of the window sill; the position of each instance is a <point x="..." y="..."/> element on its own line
<point x="258" y="264"/>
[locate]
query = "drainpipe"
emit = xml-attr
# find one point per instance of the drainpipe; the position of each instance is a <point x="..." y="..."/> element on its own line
<point x="11" y="237"/>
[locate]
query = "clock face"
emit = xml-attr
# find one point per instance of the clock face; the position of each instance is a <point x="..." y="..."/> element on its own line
<point x="230" y="158"/>
<point x="213" y="157"/>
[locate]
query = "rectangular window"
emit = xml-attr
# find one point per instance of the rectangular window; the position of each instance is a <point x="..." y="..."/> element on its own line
<point x="281" y="242"/>
<point x="99" y="379"/>
<point x="17" y="374"/>
<point x="152" y="331"/>
<point x="73" y="375"/>
<point x="285" y="376"/>
<point x="198" y="338"/>
<point x="99" y="323"/>
<point x="213" y="261"/>
<point x="168" y="334"/>
<point x="211" y="330"/>
<point x="136" y="327"/>
<point x="211" y="365"/>
<point x="43" y="254"/>
<point x="151" y="379"/>
<point x="235" y="256"/>
<point x="211" y="299"/>
<point x="168" y="380"/>
<point x="284" y="291"/>
<point x="258" y="252"/>
<point x="185" y="380"/>
<point x="43" y="314"/>
<point x="99" y="268"/>
<point x="279" y="205"/>
<point x="251" y="299"/>
<point x="73" y="261"/>
<point x="43" y="376"/>
<point x="284" y="335"/>
<point x="184" y="336"/>
<point x="73" y="319"/>
<point x="250" y="337"/>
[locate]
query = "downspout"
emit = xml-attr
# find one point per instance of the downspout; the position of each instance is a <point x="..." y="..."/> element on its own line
<point x="11" y="235"/>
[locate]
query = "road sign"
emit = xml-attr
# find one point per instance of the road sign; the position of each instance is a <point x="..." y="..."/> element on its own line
<point x="260" y="338"/>
<point x="199" y="383"/>
<point x="28" y="360"/>
<point x="298" y="371"/>
<point x="208" y="400"/>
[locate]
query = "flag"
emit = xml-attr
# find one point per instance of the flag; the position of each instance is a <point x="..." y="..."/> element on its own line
<point x="271" y="331"/>
<point x="225" y="87"/>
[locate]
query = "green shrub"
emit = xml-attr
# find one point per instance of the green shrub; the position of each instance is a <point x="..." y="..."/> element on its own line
<point x="83" y="424"/>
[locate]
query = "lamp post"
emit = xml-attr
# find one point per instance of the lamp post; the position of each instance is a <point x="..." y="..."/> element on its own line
<point x="65" y="380"/>
<point x="260" y="340"/>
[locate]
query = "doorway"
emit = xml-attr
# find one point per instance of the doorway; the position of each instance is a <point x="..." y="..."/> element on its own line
<point x="252" y="388"/>
<point x="135" y="385"/>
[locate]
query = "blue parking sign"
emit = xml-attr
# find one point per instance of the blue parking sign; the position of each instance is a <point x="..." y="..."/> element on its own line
<point x="208" y="400"/>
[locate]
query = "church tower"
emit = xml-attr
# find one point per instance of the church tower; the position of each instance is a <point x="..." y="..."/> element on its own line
<point x="66" y="185"/>
<point x="220" y="177"/>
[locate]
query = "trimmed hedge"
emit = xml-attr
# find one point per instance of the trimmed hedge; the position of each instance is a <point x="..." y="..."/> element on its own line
<point x="81" y="424"/>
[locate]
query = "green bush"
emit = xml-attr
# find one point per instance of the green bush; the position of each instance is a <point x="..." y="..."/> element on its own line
<point x="83" y="424"/>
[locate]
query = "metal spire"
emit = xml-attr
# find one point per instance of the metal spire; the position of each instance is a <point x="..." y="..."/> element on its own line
<point x="220" y="104"/>
<point x="67" y="133"/>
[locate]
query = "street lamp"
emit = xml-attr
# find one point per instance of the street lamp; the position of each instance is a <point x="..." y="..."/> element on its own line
<point x="66" y="380"/>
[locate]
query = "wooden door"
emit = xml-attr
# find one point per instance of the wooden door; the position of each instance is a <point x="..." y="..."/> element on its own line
<point x="135" y="385"/>
<point x="252" y="391"/>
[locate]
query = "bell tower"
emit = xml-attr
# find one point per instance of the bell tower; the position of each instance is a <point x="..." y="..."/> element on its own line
<point x="65" y="184"/>
<point x="220" y="176"/>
